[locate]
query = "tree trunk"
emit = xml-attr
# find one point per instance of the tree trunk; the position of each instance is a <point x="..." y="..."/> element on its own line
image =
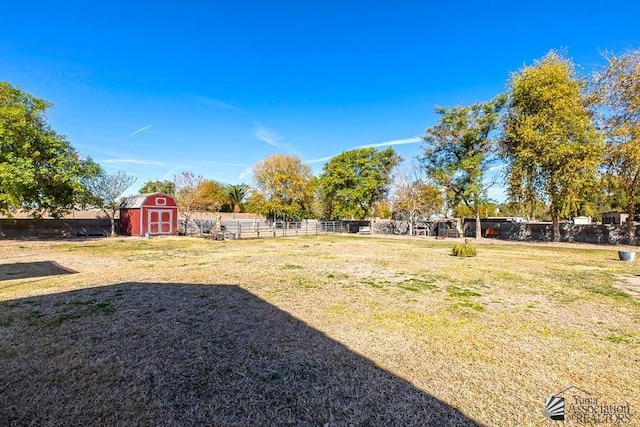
<point x="373" y="211"/>
<point x="187" y="218"/>
<point x="113" y="222"/>
<point x="478" y="226"/>
<point x="556" y="224"/>
<point x="631" y="227"/>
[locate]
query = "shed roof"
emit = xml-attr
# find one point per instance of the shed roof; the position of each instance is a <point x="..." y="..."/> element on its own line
<point x="135" y="202"/>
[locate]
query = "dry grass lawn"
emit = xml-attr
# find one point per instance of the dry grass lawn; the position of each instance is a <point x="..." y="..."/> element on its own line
<point x="319" y="330"/>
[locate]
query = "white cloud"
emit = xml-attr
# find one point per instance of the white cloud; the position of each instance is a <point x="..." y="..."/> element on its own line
<point x="320" y="160"/>
<point x="380" y="144"/>
<point x="140" y="130"/>
<point x="404" y="141"/>
<point x="215" y="103"/>
<point x="174" y="171"/>
<point x="245" y="173"/>
<point x="169" y="175"/>
<point x="267" y="135"/>
<point x="100" y="150"/>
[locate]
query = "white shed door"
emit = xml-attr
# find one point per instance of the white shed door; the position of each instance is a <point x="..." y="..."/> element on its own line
<point x="160" y="221"/>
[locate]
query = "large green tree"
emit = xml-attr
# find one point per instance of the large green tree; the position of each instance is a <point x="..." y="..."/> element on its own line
<point x="165" y="187"/>
<point x="550" y="142"/>
<point x="459" y="149"/>
<point x="354" y="181"/>
<point x="212" y="195"/>
<point x="284" y="187"/>
<point x="619" y="90"/>
<point x="39" y="170"/>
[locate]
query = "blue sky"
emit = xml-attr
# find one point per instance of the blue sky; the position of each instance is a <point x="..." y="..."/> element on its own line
<point x="212" y="87"/>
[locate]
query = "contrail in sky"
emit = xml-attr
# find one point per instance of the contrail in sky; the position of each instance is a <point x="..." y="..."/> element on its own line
<point x="394" y="142"/>
<point x="402" y="141"/>
<point x="140" y="130"/>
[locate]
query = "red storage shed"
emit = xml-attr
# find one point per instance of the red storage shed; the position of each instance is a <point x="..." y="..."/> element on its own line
<point x="155" y="213"/>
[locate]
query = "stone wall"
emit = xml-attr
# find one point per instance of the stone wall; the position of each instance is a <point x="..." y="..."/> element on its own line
<point x="28" y="228"/>
<point x="542" y="231"/>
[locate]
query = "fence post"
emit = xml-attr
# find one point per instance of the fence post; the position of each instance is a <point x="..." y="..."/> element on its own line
<point x="239" y="230"/>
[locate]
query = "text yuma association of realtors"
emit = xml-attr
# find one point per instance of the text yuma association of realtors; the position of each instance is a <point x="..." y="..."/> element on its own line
<point x="587" y="410"/>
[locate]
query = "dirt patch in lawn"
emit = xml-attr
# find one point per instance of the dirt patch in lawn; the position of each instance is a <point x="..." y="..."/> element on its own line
<point x="629" y="284"/>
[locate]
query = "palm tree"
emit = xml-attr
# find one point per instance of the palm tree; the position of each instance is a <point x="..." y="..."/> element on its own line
<point x="236" y="194"/>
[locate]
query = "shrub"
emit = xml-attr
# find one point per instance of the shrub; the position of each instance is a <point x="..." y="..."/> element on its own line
<point x="464" y="249"/>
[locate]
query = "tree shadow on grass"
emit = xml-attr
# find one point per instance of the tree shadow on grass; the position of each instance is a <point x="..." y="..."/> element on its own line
<point x="174" y="354"/>
<point x="28" y="270"/>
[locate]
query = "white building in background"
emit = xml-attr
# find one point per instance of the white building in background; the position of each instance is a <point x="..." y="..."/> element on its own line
<point x="582" y="220"/>
<point x="614" y="217"/>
